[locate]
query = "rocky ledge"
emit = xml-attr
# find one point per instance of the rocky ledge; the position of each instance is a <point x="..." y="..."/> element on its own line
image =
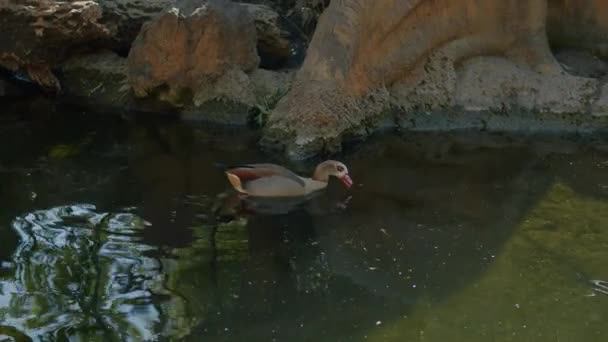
<point x="201" y="60"/>
<point x="515" y="65"/>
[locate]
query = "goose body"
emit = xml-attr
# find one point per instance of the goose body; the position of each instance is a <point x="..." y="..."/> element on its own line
<point x="271" y="180"/>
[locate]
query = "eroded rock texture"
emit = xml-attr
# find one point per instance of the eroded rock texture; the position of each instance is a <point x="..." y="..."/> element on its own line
<point x="37" y="34"/>
<point x="368" y="55"/>
<point x="201" y="58"/>
<point x="182" y="51"/>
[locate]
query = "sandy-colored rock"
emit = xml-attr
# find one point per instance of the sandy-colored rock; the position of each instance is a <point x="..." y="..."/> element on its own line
<point x="430" y="87"/>
<point x="183" y="51"/>
<point x="496" y="84"/>
<point x="364" y="47"/>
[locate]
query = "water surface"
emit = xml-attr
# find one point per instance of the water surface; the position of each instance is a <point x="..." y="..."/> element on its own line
<point x="121" y="228"/>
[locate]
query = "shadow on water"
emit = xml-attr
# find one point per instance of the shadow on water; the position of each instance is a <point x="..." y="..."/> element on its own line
<point x="117" y="229"/>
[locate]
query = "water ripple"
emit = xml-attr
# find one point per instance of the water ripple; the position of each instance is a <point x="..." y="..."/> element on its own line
<point x="81" y="273"/>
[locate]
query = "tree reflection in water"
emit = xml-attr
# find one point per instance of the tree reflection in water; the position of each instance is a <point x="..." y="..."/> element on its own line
<point x="80" y="273"/>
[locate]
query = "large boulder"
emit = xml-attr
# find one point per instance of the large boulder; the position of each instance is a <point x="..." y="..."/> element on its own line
<point x="40" y="35"/>
<point x="367" y="55"/>
<point x="198" y="60"/>
<point x="181" y="49"/>
<point x="37" y="34"/>
<point x="197" y="54"/>
<point x="100" y="80"/>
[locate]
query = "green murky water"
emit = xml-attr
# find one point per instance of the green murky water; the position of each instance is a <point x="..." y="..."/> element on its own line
<point x="118" y="228"/>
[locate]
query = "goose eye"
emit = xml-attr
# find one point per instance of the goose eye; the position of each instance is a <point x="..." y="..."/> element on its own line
<point x="340" y="168"/>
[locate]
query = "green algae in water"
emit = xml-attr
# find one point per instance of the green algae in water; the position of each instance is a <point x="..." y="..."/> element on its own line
<point x="537" y="288"/>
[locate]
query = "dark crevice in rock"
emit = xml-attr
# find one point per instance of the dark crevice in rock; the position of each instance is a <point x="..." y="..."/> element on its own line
<point x="581" y="63"/>
<point x="17" y="84"/>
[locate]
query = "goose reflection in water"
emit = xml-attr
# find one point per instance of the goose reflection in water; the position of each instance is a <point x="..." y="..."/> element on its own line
<point x="318" y="203"/>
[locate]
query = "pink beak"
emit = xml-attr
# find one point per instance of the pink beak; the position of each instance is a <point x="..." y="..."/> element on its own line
<point x="346" y="181"/>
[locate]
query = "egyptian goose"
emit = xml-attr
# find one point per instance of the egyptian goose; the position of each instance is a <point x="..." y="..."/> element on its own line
<point x="270" y="180"/>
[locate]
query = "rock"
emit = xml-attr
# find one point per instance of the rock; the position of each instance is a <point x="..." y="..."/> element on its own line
<point x="182" y="51"/>
<point x="361" y="48"/>
<point x="98" y="79"/>
<point x="268" y="83"/>
<point x="235" y="95"/>
<point x="273" y="36"/>
<point x="582" y="63"/>
<point x="324" y="117"/>
<point x="497" y="84"/>
<point x="208" y="69"/>
<point x="600" y="106"/>
<point x="38" y="34"/>
<point x="226" y="88"/>
<point x="124" y="18"/>
<point x="430" y="87"/>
